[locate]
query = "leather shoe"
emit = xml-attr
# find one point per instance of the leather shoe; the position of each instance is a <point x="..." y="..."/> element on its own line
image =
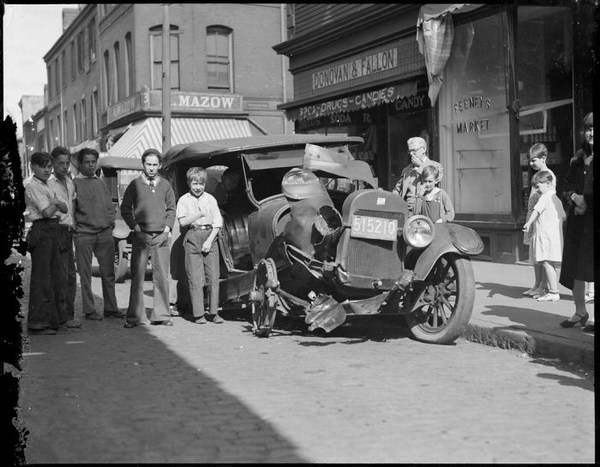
<point x="73" y="323"/>
<point x="167" y="322"/>
<point x="93" y="316"/>
<point x="201" y="320"/>
<point x="129" y="325"/>
<point x="217" y="319"/>
<point x="114" y="314"/>
<point x="567" y="323"/>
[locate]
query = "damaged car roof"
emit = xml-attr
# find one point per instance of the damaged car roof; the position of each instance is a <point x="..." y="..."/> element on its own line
<point x="208" y="149"/>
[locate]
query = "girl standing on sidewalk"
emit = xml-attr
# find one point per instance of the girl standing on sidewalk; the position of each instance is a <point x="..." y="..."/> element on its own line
<point x="545" y="231"/>
<point x="537" y="160"/>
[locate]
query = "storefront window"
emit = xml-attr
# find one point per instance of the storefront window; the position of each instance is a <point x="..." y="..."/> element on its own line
<point x="474" y="121"/>
<point x="545" y="77"/>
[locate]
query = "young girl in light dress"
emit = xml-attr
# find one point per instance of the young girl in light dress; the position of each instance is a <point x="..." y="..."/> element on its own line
<point x="433" y="202"/>
<point x="538" y="154"/>
<point x="545" y="231"/>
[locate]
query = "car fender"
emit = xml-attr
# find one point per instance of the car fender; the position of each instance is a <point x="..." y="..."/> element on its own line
<point x="447" y="238"/>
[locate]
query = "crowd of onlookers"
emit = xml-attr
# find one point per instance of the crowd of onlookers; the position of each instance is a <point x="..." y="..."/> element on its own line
<point x="78" y="211"/>
<point x="550" y="242"/>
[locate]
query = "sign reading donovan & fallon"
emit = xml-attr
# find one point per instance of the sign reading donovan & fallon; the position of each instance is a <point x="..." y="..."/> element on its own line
<point x="358" y="68"/>
<point x="192" y="102"/>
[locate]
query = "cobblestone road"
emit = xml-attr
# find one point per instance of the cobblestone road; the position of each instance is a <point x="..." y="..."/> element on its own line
<point x="364" y="393"/>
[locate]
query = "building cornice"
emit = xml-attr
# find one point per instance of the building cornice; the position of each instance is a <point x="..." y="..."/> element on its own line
<point x="324" y="34"/>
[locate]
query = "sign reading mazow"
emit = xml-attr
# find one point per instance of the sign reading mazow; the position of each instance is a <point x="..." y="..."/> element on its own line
<point x="192" y="102"/>
<point x="369" y="65"/>
<point x="205" y="101"/>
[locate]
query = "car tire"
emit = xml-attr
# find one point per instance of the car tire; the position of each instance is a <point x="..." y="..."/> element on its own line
<point x="121" y="260"/>
<point x="264" y="298"/>
<point x="443" y="307"/>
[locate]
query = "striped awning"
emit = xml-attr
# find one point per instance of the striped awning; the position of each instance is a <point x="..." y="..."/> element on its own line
<point x="147" y="133"/>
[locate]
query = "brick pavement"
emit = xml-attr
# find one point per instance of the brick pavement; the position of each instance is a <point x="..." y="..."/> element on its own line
<point x="364" y="393"/>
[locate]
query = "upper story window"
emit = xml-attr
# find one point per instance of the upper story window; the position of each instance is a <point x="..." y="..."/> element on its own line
<point x="94" y="113"/>
<point x="92" y="40"/>
<point x="128" y="65"/>
<point x="50" y="80"/>
<point x="117" y="91"/>
<point x="75" y="125"/>
<point x="83" y="109"/>
<point x="56" y="77"/>
<point x="218" y="58"/>
<point x="80" y="47"/>
<point x="73" y="60"/>
<point x="156" y="56"/>
<point x="65" y="128"/>
<point x="63" y="59"/>
<point x="105" y="81"/>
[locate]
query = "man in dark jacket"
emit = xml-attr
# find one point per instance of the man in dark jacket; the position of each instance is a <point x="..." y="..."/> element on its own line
<point x="148" y="208"/>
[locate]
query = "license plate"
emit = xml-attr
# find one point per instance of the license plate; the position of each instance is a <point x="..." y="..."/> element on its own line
<point x="377" y="228"/>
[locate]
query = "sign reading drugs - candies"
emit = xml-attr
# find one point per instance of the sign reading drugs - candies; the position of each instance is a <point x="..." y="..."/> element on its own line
<point x="365" y="100"/>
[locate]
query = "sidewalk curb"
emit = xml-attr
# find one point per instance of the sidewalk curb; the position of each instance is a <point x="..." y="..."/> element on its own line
<point x="536" y="344"/>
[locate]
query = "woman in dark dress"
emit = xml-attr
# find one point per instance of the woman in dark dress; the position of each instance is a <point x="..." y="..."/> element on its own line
<point x="578" y="253"/>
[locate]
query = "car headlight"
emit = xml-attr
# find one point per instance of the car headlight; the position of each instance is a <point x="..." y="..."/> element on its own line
<point x="418" y="231"/>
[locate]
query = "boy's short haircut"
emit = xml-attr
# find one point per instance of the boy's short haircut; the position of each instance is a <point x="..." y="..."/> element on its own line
<point x="85" y="151"/>
<point x="537" y="151"/>
<point x="41" y="159"/>
<point x="541" y="177"/>
<point x="430" y="170"/>
<point x="196" y="174"/>
<point x="59" y="151"/>
<point x="152" y="152"/>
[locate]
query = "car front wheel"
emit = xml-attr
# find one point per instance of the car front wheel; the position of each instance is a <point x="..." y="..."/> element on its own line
<point x="444" y="304"/>
<point x="264" y="298"/>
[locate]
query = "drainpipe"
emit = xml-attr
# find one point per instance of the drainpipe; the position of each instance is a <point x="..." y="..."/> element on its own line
<point x="283" y="70"/>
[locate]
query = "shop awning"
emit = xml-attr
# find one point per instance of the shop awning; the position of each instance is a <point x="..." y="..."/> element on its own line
<point x="435" y="34"/>
<point x="147" y="133"/>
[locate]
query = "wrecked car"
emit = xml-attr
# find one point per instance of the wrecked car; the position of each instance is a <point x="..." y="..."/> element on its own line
<point x="316" y="238"/>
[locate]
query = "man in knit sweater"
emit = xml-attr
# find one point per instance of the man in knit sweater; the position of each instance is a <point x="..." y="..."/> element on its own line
<point x="94" y="222"/>
<point x="148" y="208"/>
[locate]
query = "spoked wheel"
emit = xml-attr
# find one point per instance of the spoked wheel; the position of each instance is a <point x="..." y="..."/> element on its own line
<point x="121" y="260"/>
<point x="445" y="303"/>
<point x="264" y="298"/>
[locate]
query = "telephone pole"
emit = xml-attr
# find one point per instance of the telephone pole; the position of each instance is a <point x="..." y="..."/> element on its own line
<point x="166" y="79"/>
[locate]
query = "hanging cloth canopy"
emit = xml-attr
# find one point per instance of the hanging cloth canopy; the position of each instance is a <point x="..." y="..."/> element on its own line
<point x="435" y="34"/>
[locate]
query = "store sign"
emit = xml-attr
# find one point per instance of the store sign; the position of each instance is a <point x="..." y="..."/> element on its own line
<point x="354" y="69"/>
<point x="477" y="125"/>
<point x="191" y="102"/>
<point x="205" y="102"/>
<point x="125" y="107"/>
<point x="356" y="102"/>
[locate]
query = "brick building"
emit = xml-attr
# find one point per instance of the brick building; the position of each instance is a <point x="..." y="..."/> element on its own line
<point x="105" y="75"/>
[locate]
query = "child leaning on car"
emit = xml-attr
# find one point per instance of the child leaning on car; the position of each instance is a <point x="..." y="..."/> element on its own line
<point x="200" y="218"/>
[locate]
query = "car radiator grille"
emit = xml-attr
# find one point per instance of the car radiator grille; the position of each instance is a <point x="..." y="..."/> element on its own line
<point x="376" y="258"/>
